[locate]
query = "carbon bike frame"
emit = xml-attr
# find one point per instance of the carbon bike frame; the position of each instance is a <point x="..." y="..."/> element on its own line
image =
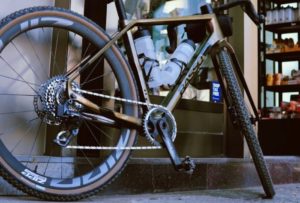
<point x="210" y="46"/>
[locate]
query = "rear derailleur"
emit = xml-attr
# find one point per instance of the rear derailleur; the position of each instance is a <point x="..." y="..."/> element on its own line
<point x="64" y="137"/>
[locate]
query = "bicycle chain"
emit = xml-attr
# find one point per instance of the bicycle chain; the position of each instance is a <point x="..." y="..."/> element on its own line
<point x="114" y="148"/>
<point x="117" y="98"/>
<point x="122" y="100"/>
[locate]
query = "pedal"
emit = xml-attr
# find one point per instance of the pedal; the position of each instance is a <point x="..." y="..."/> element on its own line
<point x="187" y="165"/>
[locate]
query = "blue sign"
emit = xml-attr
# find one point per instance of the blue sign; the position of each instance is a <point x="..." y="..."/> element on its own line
<point x="216" y="92"/>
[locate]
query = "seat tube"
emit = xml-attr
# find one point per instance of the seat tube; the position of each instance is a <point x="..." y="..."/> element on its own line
<point x="121" y="10"/>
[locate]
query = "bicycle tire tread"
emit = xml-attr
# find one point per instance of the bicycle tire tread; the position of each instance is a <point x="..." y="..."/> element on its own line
<point x="245" y="123"/>
<point x="4" y="172"/>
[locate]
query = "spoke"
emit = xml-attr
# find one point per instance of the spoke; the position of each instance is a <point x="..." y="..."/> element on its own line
<point x="38" y="57"/>
<point x="18" y="74"/>
<point x="77" y="68"/>
<point x="71" y="45"/>
<point x="88" y="160"/>
<point x="96" y="78"/>
<point x="14" y="127"/>
<point x="18" y="95"/>
<point x="60" y="164"/>
<point x="50" y="155"/>
<point x="81" y="66"/>
<point x="97" y="90"/>
<point x="86" y="50"/>
<point x="22" y="138"/>
<point x="93" y="69"/>
<point x="91" y="131"/>
<point x="27" y="62"/>
<point x="103" y="132"/>
<point x="55" y="52"/>
<point x="77" y="168"/>
<point x="78" y="65"/>
<point x="15" y="79"/>
<point x="16" y="112"/>
<point x="33" y="145"/>
<point x="51" y="56"/>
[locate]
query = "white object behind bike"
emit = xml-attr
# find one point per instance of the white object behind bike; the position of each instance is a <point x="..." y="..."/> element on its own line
<point x="147" y="59"/>
<point x="177" y="62"/>
<point x="146" y="52"/>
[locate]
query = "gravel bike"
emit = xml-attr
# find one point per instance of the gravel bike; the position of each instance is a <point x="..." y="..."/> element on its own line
<point x="51" y="100"/>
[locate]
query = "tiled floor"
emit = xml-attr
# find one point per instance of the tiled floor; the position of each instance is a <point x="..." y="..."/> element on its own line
<point x="284" y="193"/>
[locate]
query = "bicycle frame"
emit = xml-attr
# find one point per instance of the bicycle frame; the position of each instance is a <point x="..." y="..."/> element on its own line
<point x="175" y="94"/>
<point x="171" y="100"/>
<point x="46" y="104"/>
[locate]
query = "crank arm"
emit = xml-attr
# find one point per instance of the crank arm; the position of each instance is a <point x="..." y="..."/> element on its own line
<point x="187" y="165"/>
<point x="108" y="116"/>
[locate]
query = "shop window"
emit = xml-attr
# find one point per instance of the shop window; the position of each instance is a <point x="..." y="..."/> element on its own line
<point x="161" y="9"/>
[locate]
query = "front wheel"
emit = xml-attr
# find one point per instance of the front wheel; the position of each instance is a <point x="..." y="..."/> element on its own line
<point x="39" y="46"/>
<point x="244" y="122"/>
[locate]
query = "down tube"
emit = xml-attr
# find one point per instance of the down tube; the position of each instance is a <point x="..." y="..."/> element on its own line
<point x="193" y="67"/>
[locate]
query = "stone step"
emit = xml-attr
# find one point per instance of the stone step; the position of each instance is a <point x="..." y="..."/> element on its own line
<point x="157" y="175"/>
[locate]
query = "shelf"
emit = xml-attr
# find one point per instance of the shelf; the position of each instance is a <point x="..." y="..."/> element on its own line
<point x="283" y="1"/>
<point x="284" y="56"/>
<point x="284" y="27"/>
<point x="279" y="136"/>
<point x="283" y="88"/>
<point x="193" y="105"/>
<point x="264" y="119"/>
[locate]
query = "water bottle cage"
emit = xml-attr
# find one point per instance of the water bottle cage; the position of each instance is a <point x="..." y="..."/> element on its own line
<point x="180" y="64"/>
<point x="145" y="60"/>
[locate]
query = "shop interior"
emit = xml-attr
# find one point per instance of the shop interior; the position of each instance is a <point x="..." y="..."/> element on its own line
<point x="83" y="130"/>
<point x="269" y="57"/>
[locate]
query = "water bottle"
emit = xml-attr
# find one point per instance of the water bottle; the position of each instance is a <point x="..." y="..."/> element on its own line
<point x="269" y="18"/>
<point x="289" y="14"/>
<point x="146" y="53"/>
<point x="281" y="15"/>
<point x="175" y="65"/>
<point x="275" y="16"/>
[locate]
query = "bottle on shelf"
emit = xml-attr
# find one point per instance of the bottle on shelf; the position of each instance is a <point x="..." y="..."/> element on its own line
<point x="282" y="15"/>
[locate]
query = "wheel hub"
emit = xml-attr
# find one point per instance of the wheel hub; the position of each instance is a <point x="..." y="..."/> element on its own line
<point x="51" y="94"/>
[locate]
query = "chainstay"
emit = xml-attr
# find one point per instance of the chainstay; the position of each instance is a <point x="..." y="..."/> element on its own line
<point x="118" y="98"/>
<point x="121" y="100"/>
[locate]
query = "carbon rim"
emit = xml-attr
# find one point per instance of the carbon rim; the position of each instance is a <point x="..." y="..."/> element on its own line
<point x="28" y="168"/>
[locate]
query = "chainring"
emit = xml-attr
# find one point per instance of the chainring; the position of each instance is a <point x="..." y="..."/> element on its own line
<point x="150" y="124"/>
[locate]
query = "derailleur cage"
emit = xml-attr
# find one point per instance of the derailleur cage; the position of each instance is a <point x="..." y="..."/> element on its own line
<point x="64" y="137"/>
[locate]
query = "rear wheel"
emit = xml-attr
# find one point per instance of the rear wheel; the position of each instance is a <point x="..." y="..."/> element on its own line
<point x="38" y="47"/>
<point x="244" y="122"/>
